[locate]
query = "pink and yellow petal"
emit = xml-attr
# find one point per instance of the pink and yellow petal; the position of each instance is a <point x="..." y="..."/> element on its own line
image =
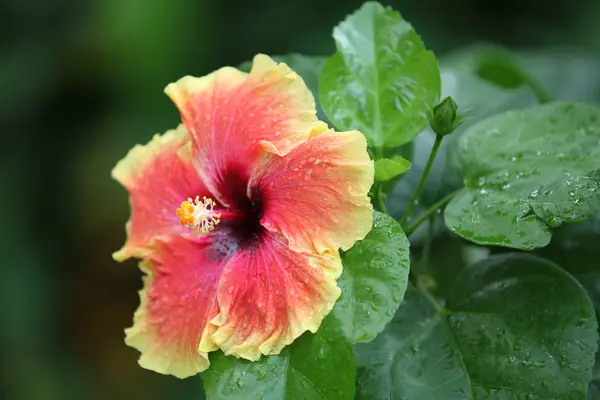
<point x="155" y="356"/>
<point x="158" y="176"/>
<point x="204" y="295"/>
<point x="177" y="302"/>
<point x="269" y="295"/>
<point x="317" y="195"/>
<point x="132" y="167"/>
<point x="230" y="114"/>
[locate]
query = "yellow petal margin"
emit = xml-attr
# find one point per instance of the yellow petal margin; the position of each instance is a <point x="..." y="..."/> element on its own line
<point x="229" y="110"/>
<point x="155" y="354"/>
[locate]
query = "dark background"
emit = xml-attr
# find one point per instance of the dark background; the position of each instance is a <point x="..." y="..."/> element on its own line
<point x="80" y="83"/>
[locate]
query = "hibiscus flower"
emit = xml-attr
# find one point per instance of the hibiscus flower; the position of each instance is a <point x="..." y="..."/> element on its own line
<point x="238" y="216"/>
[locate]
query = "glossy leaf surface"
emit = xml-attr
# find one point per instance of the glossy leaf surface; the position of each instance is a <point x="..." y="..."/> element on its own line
<point x="382" y="80"/>
<point x="526" y="172"/>
<point x="515" y="326"/>
<point x="374" y="280"/>
<point x="315" y="366"/>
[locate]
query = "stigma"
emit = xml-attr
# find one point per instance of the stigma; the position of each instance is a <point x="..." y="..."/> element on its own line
<point x="199" y="215"/>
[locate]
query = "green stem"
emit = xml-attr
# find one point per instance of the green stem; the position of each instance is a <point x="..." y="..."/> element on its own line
<point x="380" y="201"/>
<point x="378" y="190"/>
<point x="427" y="246"/>
<point x="419" y="189"/>
<point x="540" y="92"/>
<point x="429" y="212"/>
<point x="432" y="300"/>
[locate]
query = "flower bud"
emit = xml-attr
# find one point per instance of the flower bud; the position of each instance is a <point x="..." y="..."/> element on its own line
<point x="444" y="119"/>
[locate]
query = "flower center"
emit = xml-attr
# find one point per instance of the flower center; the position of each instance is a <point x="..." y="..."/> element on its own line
<point x="199" y="215"/>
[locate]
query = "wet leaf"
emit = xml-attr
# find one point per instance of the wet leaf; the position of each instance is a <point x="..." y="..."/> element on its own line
<point x="575" y="248"/>
<point x="515" y="327"/>
<point x="382" y="80"/>
<point x="374" y="280"/>
<point x="390" y="168"/>
<point x="415" y="357"/>
<point x="526" y="172"/>
<point x="315" y="366"/>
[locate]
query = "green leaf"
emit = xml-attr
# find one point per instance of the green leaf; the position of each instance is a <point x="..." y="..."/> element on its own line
<point x="414" y="358"/>
<point x="497" y="65"/>
<point x="308" y="67"/>
<point x="565" y="73"/>
<point x="389" y="168"/>
<point x="575" y="248"/>
<point x="538" y="320"/>
<point x="381" y="81"/>
<point x="516" y="327"/>
<point x="374" y="280"/>
<point x="315" y="366"/>
<point x="526" y="172"/>
<point x="558" y="74"/>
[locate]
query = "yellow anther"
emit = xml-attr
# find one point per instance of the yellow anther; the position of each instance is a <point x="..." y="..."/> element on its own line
<point x="199" y="215"/>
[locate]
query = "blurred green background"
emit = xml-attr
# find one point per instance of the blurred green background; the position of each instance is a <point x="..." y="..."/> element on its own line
<point x="80" y="83"/>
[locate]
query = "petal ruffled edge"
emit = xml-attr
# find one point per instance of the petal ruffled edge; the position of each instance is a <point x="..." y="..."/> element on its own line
<point x="142" y="337"/>
<point x="186" y="313"/>
<point x="156" y="175"/>
<point x="139" y="156"/>
<point x="284" y="89"/>
<point x="234" y="117"/>
<point x="292" y="294"/>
